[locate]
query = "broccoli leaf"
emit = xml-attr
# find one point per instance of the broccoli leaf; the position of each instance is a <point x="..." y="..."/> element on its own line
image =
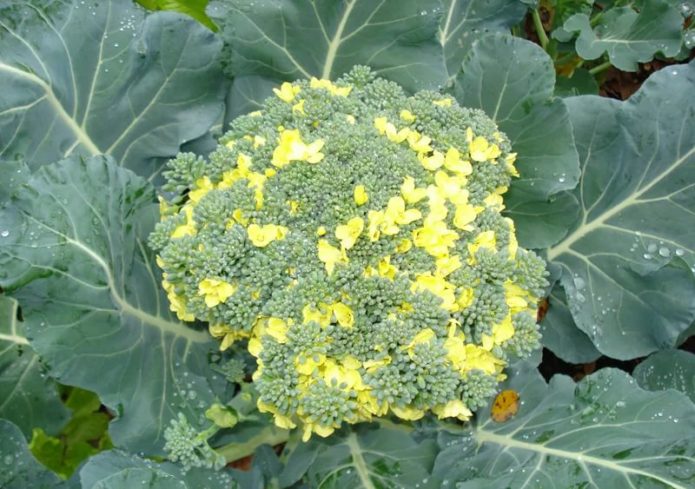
<point x="466" y="20"/>
<point x="87" y="77"/>
<point x="75" y="258"/>
<point x="325" y="39"/>
<point x="601" y="432"/>
<point x="668" y="369"/>
<point x="18" y="468"/>
<point x="628" y="36"/>
<point x="192" y="8"/>
<point x="28" y="397"/>
<point x="513" y="81"/>
<point x="560" y="333"/>
<point x="626" y="262"/>
<point x="118" y="470"/>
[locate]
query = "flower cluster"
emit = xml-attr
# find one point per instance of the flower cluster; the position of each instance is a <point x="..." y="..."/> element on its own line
<point x="353" y="236"/>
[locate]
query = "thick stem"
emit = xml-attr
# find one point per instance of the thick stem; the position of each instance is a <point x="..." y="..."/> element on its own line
<point x="270" y="435"/>
<point x="540" y="31"/>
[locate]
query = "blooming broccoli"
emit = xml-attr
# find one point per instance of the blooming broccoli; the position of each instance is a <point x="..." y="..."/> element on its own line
<point x="352" y="235"/>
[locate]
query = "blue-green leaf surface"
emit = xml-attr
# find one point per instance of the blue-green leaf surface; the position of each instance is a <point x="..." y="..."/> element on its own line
<point x="561" y="335"/>
<point x="513" y="80"/>
<point x="76" y="259"/>
<point x="464" y="21"/>
<point x="668" y="369"/>
<point x="119" y="470"/>
<point x="603" y="432"/>
<point x="627" y="35"/>
<point x="627" y="260"/>
<point x="90" y="77"/>
<point x="326" y="38"/>
<point x="28" y="397"/>
<point x="18" y="468"/>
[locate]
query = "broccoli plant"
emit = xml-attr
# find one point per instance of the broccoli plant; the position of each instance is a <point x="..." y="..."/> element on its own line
<point x="352" y="235"/>
<point x="346" y="244"/>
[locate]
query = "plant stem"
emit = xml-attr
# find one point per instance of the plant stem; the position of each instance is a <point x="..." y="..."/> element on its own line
<point x="540" y="31"/>
<point x="360" y="464"/>
<point x="270" y="435"/>
<point x="600" y="68"/>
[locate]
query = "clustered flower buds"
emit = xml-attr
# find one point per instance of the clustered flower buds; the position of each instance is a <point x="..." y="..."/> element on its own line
<point x="352" y="236"/>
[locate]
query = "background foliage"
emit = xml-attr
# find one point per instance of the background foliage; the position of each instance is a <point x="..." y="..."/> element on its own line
<point x="596" y="97"/>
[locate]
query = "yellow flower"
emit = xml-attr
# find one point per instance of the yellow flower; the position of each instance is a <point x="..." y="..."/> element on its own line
<point x="348" y="233"/>
<point x="229" y="335"/>
<point x="486" y="239"/>
<point x="277" y="328"/>
<point x="453" y="409"/>
<point x="443" y="102"/>
<point x="202" y="187"/>
<point x="407" y="116"/>
<point x="262" y="236"/>
<point x="454" y="163"/>
<point x="464" y="216"/>
<point x="328" y="85"/>
<point x="433" y="162"/>
<point x="478" y="358"/>
<point x="466" y="298"/>
<point x="215" y="291"/>
<point x="386" y="128"/>
<point x="435" y="238"/>
<point x="287" y="92"/>
<point x="509" y="160"/>
<point x="410" y="193"/>
<point x="306" y="365"/>
<point x="299" y="107"/>
<point x="408" y="413"/>
<point x="292" y="148"/>
<point x="438" y="286"/>
<point x="503" y="330"/>
<point x="419" y="143"/>
<point x="376" y="219"/>
<point x="258" y="141"/>
<point x="344" y="315"/>
<point x="360" y="195"/>
<point x="481" y="150"/>
<point x="187" y="229"/>
<point x="350" y="118"/>
<point x="386" y="269"/>
<point x="404" y="246"/>
<point x="397" y="213"/>
<point x="330" y="255"/>
<point x="513" y="243"/>
<point x="322" y="315"/>
<point x="321" y="231"/>
<point x="177" y="303"/>
<point x="449" y="186"/>
<point x="447" y="264"/>
<point x="321" y="430"/>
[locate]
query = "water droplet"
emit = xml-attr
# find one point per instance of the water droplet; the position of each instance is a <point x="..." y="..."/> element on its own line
<point x="647" y="256"/>
<point x="652" y="248"/>
<point x="680" y="252"/>
<point x="5" y="233"/>
<point x="665" y="252"/>
<point x="579" y="283"/>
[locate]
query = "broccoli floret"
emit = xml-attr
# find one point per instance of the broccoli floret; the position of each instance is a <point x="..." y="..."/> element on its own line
<point x="186" y="445"/>
<point x="353" y="236"/>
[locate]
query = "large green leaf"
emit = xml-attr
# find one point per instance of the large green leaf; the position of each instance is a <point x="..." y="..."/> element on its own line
<point x="118" y="470"/>
<point x="76" y="259"/>
<point x="603" y="432"/>
<point x="90" y="77"/>
<point x="513" y="81"/>
<point x="18" y="468"/>
<point x="629" y="36"/>
<point x="28" y="397"/>
<point x="668" y="369"/>
<point x="326" y="38"/>
<point x="465" y="20"/>
<point x="366" y="457"/>
<point x="626" y="261"/>
<point x="561" y="335"/>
